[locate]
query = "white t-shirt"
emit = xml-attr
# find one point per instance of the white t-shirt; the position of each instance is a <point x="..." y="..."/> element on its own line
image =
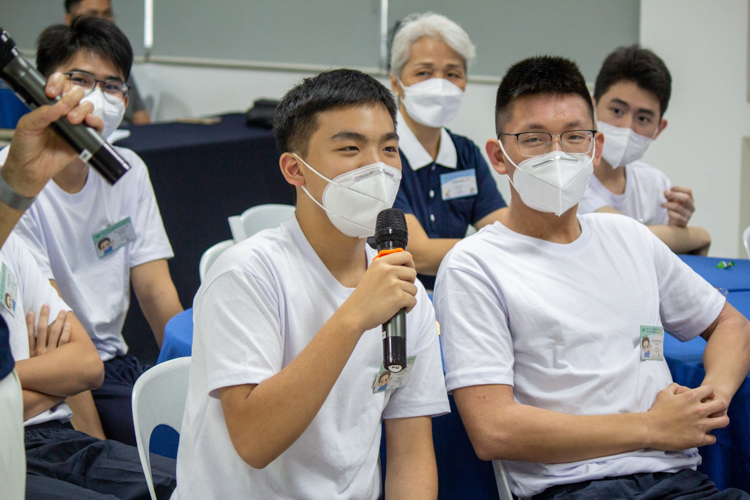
<point x="642" y="199"/>
<point x="561" y="324"/>
<point x="59" y="229"/>
<point x="33" y="291"/>
<point x="262" y="302"/>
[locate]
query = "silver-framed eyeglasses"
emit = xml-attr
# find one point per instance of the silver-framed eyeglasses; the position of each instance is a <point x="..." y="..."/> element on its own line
<point x="114" y="89"/>
<point x="538" y="143"/>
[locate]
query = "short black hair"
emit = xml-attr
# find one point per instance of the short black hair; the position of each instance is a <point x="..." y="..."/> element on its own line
<point x="536" y="76"/>
<point x="59" y="43"/>
<point x="638" y="65"/>
<point x="295" y="120"/>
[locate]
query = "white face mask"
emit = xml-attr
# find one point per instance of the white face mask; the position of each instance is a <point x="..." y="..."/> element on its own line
<point x="354" y="199"/>
<point x="111" y="114"/>
<point x="433" y="102"/>
<point x="622" y="145"/>
<point x="553" y="182"/>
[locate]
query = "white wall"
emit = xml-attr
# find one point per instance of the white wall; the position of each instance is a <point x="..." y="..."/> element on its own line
<point x="198" y="91"/>
<point x="705" y="45"/>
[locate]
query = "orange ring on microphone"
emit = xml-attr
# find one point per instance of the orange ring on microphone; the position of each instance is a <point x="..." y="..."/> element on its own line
<point x="388" y="252"/>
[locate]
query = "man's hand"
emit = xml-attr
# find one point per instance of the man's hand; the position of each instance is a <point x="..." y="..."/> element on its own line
<point x="36" y="152"/>
<point x="684" y="418"/>
<point x="386" y="287"/>
<point x="48" y="337"/>
<point x="680" y="205"/>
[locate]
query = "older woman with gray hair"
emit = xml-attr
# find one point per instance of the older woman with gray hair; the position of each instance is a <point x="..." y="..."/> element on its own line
<point x="446" y="184"/>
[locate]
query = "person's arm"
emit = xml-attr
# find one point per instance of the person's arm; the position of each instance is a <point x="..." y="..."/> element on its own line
<point x="727" y="354"/>
<point x="679" y="239"/>
<point x="261" y="421"/>
<point x="491" y="218"/>
<point x="59" y="371"/>
<point x="36" y="152"/>
<point x="141" y="118"/>
<point x="411" y="471"/>
<point x="428" y="252"/>
<point x="35" y="403"/>
<point x="85" y="415"/>
<point x="502" y="429"/>
<point x="156" y="295"/>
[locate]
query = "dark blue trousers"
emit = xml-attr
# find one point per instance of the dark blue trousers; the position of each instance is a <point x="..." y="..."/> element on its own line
<point x="62" y="463"/>
<point x="684" y="485"/>
<point x="113" y="398"/>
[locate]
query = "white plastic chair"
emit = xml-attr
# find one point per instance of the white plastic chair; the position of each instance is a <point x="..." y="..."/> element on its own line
<point x="159" y="399"/>
<point x="209" y="256"/>
<point x="746" y="239"/>
<point x="258" y="218"/>
<point x="503" y="488"/>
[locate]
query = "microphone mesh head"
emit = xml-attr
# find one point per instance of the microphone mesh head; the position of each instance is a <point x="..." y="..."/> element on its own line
<point x="391" y="227"/>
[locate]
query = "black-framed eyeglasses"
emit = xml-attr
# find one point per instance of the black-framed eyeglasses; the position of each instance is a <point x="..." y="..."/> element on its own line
<point x="538" y="143"/>
<point x="114" y="89"/>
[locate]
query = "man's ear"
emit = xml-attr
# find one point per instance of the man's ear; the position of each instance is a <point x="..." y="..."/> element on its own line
<point x="68" y="18"/>
<point x="290" y="169"/>
<point x="662" y="126"/>
<point x="496" y="156"/>
<point x="126" y="100"/>
<point x="599" y="145"/>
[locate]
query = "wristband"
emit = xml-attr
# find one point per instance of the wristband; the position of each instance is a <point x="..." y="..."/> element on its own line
<point x="13" y="198"/>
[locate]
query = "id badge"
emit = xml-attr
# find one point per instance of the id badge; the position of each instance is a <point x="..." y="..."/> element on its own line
<point x="8" y="289"/>
<point x="652" y="343"/>
<point x="458" y="184"/>
<point x="113" y="237"/>
<point x="386" y="381"/>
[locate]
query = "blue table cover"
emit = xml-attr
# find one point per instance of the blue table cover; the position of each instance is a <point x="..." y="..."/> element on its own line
<point x="727" y="462"/>
<point x="734" y="279"/>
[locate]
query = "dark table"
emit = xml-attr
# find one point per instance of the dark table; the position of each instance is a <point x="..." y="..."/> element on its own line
<point x="201" y="175"/>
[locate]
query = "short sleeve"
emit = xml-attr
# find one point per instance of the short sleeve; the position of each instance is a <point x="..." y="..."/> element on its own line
<point x="29" y="230"/>
<point x="35" y="288"/>
<point x="477" y="344"/>
<point x="688" y="304"/>
<point x="151" y="241"/>
<point x="488" y="197"/>
<point x="662" y="214"/>
<point x="237" y="324"/>
<point x="425" y="392"/>
<point x="591" y="202"/>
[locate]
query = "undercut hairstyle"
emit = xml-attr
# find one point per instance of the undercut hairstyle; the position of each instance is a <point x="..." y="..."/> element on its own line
<point x="414" y="26"/>
<point x="640" y="66"/>
<point x="59" y="43"/>
<point x="296" y="117"/>
<point x="542" y="75"/>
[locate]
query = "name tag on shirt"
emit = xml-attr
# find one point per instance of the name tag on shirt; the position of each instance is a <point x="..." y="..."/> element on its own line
<point x="113" y="237"/>
<point x="386" y="381"/>
<point x="8" y="289"/>
<point x="458" y="184"/>
<point x="652" y="343"/>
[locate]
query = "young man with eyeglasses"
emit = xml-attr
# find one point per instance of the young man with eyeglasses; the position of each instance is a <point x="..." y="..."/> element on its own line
<point x="136" y="112"/>
<point x="79" y="209"/>
<point x="542" y="317"/>
<point x="632" y="93"/>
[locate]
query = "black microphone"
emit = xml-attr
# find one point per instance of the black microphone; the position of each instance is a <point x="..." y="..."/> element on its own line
<point x="28" y="84"/>
<point x="391" y="234"/>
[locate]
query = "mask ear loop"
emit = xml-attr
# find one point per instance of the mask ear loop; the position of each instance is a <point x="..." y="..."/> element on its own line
<point x="304" y="188"/>
<point x="511" y="162"/>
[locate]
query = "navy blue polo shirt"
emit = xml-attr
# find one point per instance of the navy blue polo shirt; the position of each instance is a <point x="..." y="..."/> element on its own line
<point x="6" y="357"/>
<point x="421" y="192"/>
